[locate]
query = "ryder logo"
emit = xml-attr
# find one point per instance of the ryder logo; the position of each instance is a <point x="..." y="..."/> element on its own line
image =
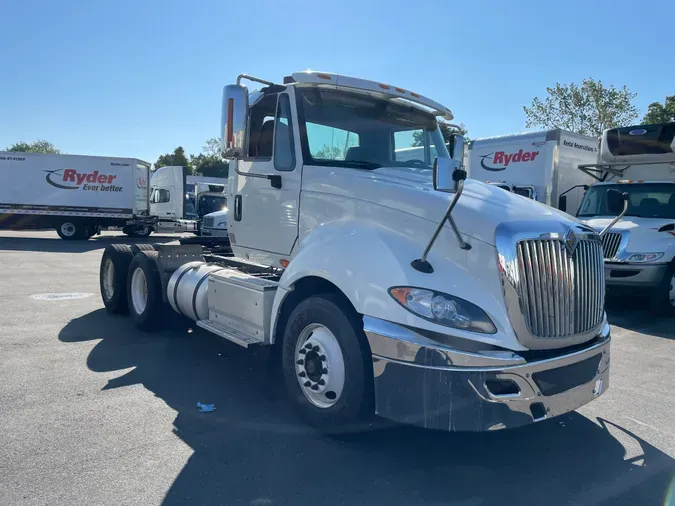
<point x="71" y="179"/>
<point x="503" y="158"/>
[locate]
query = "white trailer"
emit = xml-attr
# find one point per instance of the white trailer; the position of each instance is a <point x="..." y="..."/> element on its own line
<point x="382" y="285"/>
<point x="76" y="195"/>
<point x="637" y="162"/>
<point x="537" y="165"/>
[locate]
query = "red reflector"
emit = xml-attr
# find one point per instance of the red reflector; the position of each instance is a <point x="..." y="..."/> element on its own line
<point x="414" y="95"/>
<point x="324" y="76"/>
<point x="384" y="86"/>
<point x="400" y="90"/>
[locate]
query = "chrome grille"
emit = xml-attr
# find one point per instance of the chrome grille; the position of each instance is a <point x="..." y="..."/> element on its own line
<point x="561" y="293"/>
<point x="610" y="244"/>
<point x="208" y="222"/>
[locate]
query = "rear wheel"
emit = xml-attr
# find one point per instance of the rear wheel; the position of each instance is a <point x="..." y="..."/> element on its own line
<point x="72" y="230"/>
<point x="144" y="292"/>
<point x="113" y="277"/>
<point x="326" y="365"/>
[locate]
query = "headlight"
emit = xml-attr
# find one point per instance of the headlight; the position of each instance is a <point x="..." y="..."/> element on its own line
<point x="221" y="224"/>
<point x="443" y="309"/>
<point x="644" y="257"/>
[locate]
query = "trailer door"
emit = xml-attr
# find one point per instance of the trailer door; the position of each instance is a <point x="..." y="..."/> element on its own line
<point x="142" y="188"/>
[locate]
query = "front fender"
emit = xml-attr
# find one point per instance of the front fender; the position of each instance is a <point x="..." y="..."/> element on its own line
<point x="364" y="259"/>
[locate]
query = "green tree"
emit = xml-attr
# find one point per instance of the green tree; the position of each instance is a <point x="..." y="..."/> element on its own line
<point x="588" y="109"/>
<point x="177" y="158"/>
<point x="660" y="113"/>
<point x="210" y="162"/>
<point x="329" y="152"/>
<point x="39" y="146"/>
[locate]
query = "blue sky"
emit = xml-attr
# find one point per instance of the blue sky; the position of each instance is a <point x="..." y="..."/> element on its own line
<point x="137" y="78"/>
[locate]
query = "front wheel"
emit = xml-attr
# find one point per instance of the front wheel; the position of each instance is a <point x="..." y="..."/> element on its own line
<point x="327" y="365"/>
<point x="663" y="299"/>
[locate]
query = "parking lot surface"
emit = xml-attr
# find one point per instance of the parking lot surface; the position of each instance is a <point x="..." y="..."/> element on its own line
<point x="93" y="411"/>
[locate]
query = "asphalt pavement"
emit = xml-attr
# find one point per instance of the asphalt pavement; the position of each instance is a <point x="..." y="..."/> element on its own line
<point x="95" y="412"/>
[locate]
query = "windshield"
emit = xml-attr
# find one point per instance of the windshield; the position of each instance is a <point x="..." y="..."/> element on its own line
<point x="358" y="130"/>
<point x="650" y="200"/>
<point x="211" y="203"/>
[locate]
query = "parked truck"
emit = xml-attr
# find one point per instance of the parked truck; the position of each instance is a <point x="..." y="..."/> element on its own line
<point x="637" y="162"/>
<point x="382" y="286"/>
<point x="538" y="165"/>
<point x="75" y="195"/>
<point x="181" y="201"/>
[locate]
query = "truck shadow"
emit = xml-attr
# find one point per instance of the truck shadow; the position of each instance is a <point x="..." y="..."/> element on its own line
<point x="57" y="245"/>
<point x="632" y="313"/>
<point x="253" y="450"/>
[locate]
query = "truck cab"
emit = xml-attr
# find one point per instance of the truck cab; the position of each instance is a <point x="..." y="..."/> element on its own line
<point x="384" y="283"/>
<point x="639" y="235"/>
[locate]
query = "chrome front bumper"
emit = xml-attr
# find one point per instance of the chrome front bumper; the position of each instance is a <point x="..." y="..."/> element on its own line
<point x="633" y="275"/>
<point x="422" y="382"/>
<point x="214" y="232"/>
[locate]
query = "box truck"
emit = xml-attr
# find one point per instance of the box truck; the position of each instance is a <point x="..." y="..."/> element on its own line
<point x="638" y="234"/>
<point x="538" y="165"/>
<point x="381" y="286"/>
<point x="74" y="194"/>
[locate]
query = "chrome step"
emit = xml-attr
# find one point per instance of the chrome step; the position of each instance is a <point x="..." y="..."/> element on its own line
<point x="229" y="333"/>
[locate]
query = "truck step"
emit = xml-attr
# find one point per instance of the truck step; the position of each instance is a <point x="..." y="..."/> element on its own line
<point x="229" y="333"/>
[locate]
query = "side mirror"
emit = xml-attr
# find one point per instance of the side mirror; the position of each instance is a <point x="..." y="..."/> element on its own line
<point x="446" y="174"/>
<point x="562" y="203"/>
<point x="233" y="121"/>
<point x="457" y="145"/>
<point x="615" y="200"/>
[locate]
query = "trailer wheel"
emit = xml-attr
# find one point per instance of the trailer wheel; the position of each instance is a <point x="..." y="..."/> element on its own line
<point x="144" y="292"/>
<point x="140" y="233"/>
<point x="663" y="298"/>
<point x="113" y="277"/>
<point x="327" y="365"/>
<point x="72" y="230"/>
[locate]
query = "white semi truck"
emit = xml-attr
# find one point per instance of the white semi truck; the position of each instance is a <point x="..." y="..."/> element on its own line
<point x="637" y="162"/>
<point x="181" y="201"/>
<point x="76" y="195"/>
<point x="382" y="286"/>
<point x="538" y="165"/>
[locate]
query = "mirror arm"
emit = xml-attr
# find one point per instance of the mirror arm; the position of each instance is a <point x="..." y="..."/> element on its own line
<point x="421" y="264"/>
<point x="615" y="220"/>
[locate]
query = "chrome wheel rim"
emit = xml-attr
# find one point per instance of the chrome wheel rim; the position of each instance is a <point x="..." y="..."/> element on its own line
<point x="68" y="229"/>
<point x="108" y="279"/>
<point x="319" y="366"/>
<point x="139" y="291"/>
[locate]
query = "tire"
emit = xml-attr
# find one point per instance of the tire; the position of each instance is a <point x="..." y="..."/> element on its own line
<point x="113" y="283"/>
<point x="135" y="248"/>
<point x="72" y="230"/>
<point x="353" y="407"/>
<point x="663" y="298"/>
<point x="144" y="292"/>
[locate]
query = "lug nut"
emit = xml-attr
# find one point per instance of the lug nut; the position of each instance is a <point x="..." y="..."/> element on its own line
<point x="324" y="371"/>
<point x="321" y="382"/>
<point x="316" y="348"/>
<point x="300" y="362"/>
<point x="308" y="346"/>
<point x="322" y="358"/>
<point x="315" y="387"/>
<point x="302" y="374"/>
<point x="306" y="384"/>
<point x="303" y="351"/>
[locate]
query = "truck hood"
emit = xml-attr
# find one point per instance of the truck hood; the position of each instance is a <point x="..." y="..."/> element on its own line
<point x="480" y="209"/>
<point x="641" y="235"/>
<point x="217" y="214"/>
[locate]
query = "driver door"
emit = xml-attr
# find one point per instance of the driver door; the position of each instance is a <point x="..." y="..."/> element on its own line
<point x="265" y="216"/>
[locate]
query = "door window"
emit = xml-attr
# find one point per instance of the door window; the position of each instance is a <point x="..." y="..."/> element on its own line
<point x="284" y="151"/>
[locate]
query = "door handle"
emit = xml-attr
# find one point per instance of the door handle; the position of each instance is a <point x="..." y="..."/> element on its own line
<point x="237" y="208"/>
